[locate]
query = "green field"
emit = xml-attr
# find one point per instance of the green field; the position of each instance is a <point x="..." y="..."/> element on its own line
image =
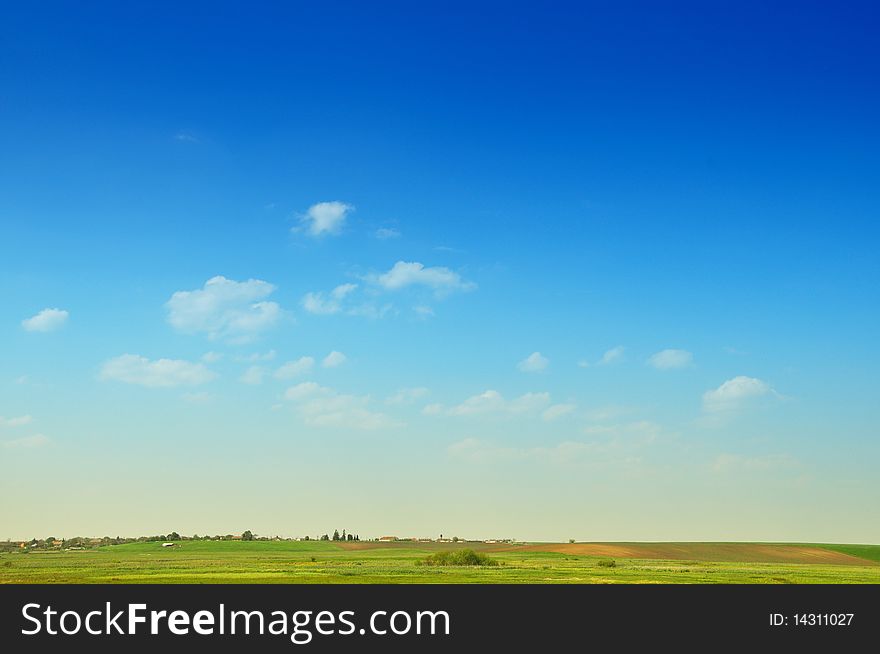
<point x="329" y="562"/>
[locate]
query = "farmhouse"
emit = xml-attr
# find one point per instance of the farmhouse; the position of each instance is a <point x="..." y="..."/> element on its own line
<point x="387" y="538"/>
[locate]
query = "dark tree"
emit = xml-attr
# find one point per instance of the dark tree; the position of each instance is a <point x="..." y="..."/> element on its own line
<point x="335" y="534"/>
<point x="247" y="535"/>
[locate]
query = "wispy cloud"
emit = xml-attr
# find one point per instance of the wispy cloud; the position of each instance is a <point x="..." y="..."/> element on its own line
<point x="253" y="376"/>
<point x="492" y="402"/>
<point x="557" y="411"/>
<point x="735" y="393"/>
<point x="295" y="368"/>
<point x="412" y="273"/>
<point x="325" y="304"/>
<point x="671" y="359"/>
<point x="385" y="233"/>
<point x="15" y="422"/>
<point x="334" y="360"/>
<point x="407" y="395"/>
<point x="27" y="442"/>
<point x="47" y="320"/>
<point x="134" y="369"/>
<point x="225" y="309"/>
<point x="320" y="406"/>
<point x="535" y="362"/>
<point x="614" y="355"/>
<point x="186" y="137"/>
<point x="324" y="218"/>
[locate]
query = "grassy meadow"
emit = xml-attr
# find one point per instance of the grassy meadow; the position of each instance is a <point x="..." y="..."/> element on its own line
<point x="308" y="562"/>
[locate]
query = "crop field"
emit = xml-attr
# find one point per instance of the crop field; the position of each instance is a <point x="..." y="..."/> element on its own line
<point x="308" y="562"/>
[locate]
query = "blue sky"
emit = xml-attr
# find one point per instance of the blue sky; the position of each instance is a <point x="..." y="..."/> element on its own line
<point x="597" y="271"/>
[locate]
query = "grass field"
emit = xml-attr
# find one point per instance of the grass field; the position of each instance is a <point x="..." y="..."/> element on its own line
<point x="370" y="562"/>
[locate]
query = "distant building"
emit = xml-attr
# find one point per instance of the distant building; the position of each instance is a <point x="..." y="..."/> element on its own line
<point x="168" y="544"/>
<point x="387" y="538"/>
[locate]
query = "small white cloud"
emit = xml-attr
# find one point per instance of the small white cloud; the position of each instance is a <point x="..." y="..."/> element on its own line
<point x="484" y="402"/>
<point x="27" y="442"/>
<point x="320" y="406"/>
<point x="321" y="304"/>
<point x="613" y="355"/>
<point x="433" y="409"/>
<point x="535" y="362"/>
<point x="15" y="422"/>
<point x="253" y="376"/>
<point x="334" y="359"/>
<point x="407" y="395"/>
<point x="384" y="233"/>
<point x="211" y="357"/>
<point x="423" y="311"/>
<point x="412" y="273"/>
<point x="671" y="359"/>
<point x="225" y="309"/>
<point x="185" y="137"/>
<point x="48" y="320"/>
<point x="734" y="393"/>
<point x="583" y="363"/>
<point x="296" y="368"/>
<point x="325" y="218"/>
<point x="492" y="402"/>
<point x="557" y="411"/>
<point x="257" y="356"/>
<point x="134" y="369"/>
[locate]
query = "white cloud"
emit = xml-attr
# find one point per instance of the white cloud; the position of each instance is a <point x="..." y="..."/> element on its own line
<point x="734" y="393"/>
<point x="253" y="376"/>
<point x="325" y="218"/>
<point x="535" y="362"/>
<point x="15" y="422"/>
<point x="27" y="442"/>
<point x="257" y="356"/>
<point x="384" y="233"/>
<point x="296" y="368"/>
<point x="434" y="409"/>
<point x="557" y="411"/>
<point x="404" y="273"/>
<point x="134" y="369"/>
<point x="334" y="359"/>
<point x="320" y="406"/>
<point x="186" y="137"/>
<point x="670" y="359"/>
<point x="492" y="402"/>
<point x="423" y="311"/>
<point x="407" y="395"/>
<point x="321" y="304"/>
<point x="211" y="357"/>
<point x="225" y="309"/>
<point x="583" y="363"/>
<point x="613" y="355"/>
<point x="47" y="320"/>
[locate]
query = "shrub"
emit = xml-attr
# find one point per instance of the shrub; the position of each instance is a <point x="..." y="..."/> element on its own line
<point x="606" y="563"/>
<point x="458" y="557"/>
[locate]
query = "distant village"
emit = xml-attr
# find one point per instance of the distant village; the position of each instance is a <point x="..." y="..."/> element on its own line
<point x="174" y="539"/>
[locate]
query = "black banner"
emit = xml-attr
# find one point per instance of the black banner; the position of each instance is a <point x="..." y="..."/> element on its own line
<point x="433" y="618"/>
